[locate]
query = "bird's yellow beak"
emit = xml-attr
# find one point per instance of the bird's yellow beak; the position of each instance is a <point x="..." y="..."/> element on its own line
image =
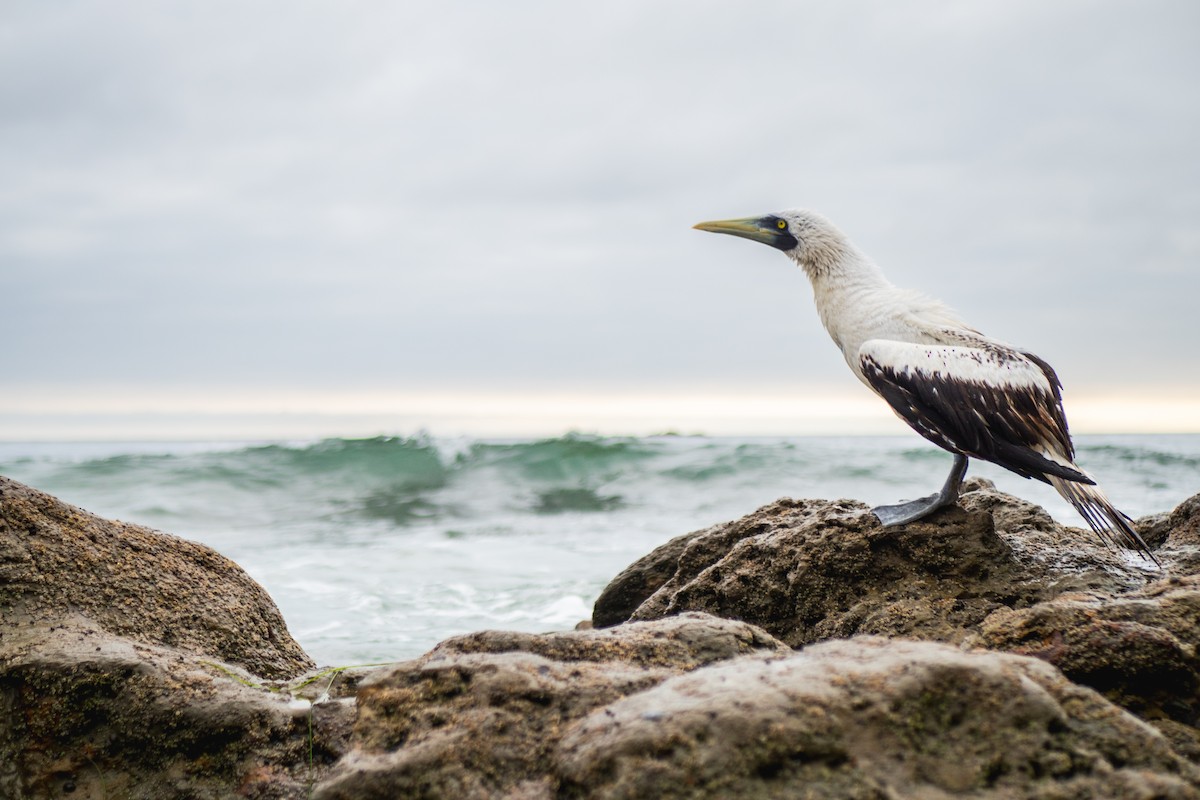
<point x="769" y="230"/>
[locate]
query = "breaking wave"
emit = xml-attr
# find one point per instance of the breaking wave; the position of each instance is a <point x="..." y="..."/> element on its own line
<point x="377" y="548"/>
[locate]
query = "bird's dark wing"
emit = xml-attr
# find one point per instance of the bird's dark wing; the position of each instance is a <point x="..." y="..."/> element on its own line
<point x="985" y="402"/>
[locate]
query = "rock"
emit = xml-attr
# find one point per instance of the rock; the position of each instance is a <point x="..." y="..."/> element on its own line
<point x="90" y="715"/>
<point x="624" y="593"/>
<point x="134" y="664"/>
<point x="481" y="715"/>
<point x="997" y="572"/>
<point x="57" y="560"/>
<point x="1180" y="527"/>
<point x="810" y="570"/>
<point x="869" y="718"/>
<point x="1139" y="649"/>
<point x="697" y="707"/>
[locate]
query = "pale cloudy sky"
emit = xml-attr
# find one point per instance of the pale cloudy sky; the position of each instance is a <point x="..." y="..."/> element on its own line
<point x="339" y="201"/>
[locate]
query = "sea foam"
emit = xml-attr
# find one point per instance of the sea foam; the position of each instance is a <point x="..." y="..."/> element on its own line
<point x="375" y="549"/>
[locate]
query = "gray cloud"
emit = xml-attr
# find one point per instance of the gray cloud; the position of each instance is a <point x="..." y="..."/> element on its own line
<point x="469" y="194"/>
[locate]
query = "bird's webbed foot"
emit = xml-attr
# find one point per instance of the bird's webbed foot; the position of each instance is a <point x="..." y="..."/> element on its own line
<point x="910" y="511"/>
<point x="914" y="510"/>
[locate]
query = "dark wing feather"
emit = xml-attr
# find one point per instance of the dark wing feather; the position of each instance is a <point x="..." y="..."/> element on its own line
<point x="989" y="403"/>
<point x="1055" y="408"/>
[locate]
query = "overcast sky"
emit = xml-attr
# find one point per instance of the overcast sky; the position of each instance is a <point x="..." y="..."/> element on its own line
<point x="291" y="197"/>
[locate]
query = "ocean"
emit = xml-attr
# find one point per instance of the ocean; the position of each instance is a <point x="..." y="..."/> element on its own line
<point x="375" y="549"/>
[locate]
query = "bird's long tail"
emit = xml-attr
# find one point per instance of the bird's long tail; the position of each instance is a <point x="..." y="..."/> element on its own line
<point x="1112" y="526"/>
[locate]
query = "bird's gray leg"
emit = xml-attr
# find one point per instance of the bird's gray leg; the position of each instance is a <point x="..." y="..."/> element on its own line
<point x="914" y="510"/>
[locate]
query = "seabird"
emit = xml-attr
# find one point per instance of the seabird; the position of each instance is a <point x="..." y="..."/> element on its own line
<point x="968" y="393"/>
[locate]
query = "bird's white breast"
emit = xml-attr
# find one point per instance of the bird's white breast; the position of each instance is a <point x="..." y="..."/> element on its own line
<point x="857" y="312"/>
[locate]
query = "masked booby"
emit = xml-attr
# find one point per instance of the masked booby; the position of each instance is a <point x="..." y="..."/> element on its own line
<point x="968" y="393"/>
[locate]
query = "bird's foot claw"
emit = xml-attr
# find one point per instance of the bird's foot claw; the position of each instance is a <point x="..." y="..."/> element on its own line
<point x="911" y="511"/>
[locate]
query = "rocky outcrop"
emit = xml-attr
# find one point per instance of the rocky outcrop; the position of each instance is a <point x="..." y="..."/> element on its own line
<point x="870" y="718"/>
<point x="800" y="651"/>
<point x="135" y="664"/>
<point x="694" y="706"/>
<point x="58" y="562"/>
<point x="484" y="715"/>
<point x="995" y="572"/>
<point x="85" y="714"/>
<point x="810" y="570"/>
<point x="1138" y="648"/>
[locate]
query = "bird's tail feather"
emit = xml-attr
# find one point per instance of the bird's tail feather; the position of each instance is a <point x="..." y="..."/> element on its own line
<point x="1112" y="526"/>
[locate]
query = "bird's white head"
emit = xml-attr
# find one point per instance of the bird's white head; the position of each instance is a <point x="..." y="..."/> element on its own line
<point x="804" y="236"/>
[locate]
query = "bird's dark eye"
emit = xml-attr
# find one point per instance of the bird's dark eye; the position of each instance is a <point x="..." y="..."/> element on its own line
<point x="781" y="224"/>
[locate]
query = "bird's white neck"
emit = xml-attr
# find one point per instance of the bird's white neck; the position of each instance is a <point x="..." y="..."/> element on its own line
<point x="849" y="291"/>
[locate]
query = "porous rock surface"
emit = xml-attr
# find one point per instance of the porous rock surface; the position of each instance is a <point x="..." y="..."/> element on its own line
<point x="482" y="715"/>
<point x="134" y="664"/>
<point x="57" y="560"/>
<point x="987" y="652"/>
<point x="995" y="572"/>
<point x="870" y="717"/>
<point x="809" y="570"/>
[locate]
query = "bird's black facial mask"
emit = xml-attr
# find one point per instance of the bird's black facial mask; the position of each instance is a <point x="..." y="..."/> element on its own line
<point x="770" y="230"/>
<point x="784" y="239"/>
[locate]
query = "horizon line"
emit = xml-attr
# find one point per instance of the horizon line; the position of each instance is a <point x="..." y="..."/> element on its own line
<point x="121" y="415"/>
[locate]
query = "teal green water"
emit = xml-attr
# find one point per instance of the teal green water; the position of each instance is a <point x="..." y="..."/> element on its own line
<point x="375" y="549"/>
